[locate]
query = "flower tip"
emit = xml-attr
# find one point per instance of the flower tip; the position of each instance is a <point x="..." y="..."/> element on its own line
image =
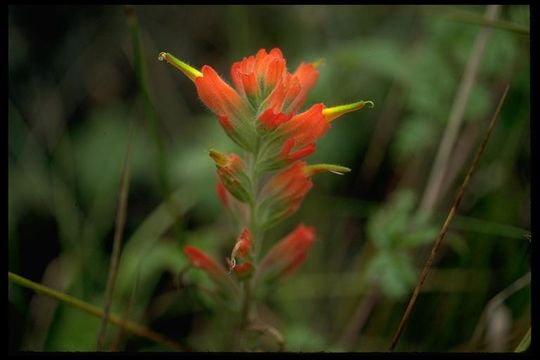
<point x="317" y="64"/>
<point x="333" y="113"/>
<point x="188" y="70"/>
<point x="318" y="168"/>
<point x="219" y="157"/>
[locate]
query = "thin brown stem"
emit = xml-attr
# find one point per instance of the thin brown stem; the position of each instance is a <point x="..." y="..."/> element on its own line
<point x="117" y="244"/>
<point x="444" y="229"/>
<point x="359" y="318"/>
<point x="120" y="333"/>
<point x="271" y="331"/>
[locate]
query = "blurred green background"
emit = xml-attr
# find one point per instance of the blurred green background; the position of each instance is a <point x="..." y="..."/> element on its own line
<point x="73" y="94"/>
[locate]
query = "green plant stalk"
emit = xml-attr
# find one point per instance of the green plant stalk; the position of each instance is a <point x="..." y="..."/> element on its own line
<point x="524" y="343"/>
<point x="469" y="17"/>
<point x="130" y="326"/>
<point x="256" y="238"/>
<point x="143" y="88"/>
<point x="150" y="112"/>
<point x="444" y="228"/>
<point x="117" y="244"/>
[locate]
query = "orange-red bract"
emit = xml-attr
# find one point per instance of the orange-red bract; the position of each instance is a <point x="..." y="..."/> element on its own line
<point x="288" y="254"/>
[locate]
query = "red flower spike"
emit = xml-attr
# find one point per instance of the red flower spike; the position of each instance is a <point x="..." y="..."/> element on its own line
<point x="216" y="272"/>
<point x="288" y="254"/>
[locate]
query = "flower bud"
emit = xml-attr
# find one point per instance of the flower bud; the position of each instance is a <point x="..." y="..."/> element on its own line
<point x="241" y="258"/>
<point x="215" y="271"/>
<point x="284" y="193"/>
<point x="230" y="170"/>
<point x="288" y="254"/>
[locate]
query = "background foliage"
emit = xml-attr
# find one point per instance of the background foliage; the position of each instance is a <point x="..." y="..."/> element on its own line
<point x="73" y="96"/>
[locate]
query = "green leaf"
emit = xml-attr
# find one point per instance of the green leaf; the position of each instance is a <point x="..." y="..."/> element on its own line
<point x="416" y="133"/>
<point x="423" y="235"/>
<point x="300" y="338"/>
<point x="393" y="272"/>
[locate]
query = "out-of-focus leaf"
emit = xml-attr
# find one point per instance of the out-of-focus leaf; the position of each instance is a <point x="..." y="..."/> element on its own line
<point x="414" y="135"/>
<point x="500" y="52"/>
<point x="72" y="330"/>
<point x="478" y="105"/>
<point x="101" y="144"/>
<point x="191" y="166"/>
<point x="431" y="84"/>
<point x="390" y="221"/>
<point x="300" y="338"/>
<point x="163" y="256"/>
<point x="393" y="272"/>
<point x="419" y="236"/>
<point x="524" y="343"/>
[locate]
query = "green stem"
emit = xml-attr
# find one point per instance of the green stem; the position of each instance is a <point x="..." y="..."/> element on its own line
<point x="525" y="343"/>
<point x="246" y="306"/>
<point x="247" y="299"/>
<point x="253" y="221"/>
<point x="95" y="311"/>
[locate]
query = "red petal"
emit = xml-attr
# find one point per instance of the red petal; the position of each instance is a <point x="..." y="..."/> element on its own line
<point x="308" y="126"/>
<point x="225" y="122"/>
<point x="307" y="75"/>
<point x="290" y="252"/>
<point x="217" y="94"/>
<point x="308" y="150"/>
<point x="199" y="259"/>
<point x="222" y="194"/>
<point x="284" y="154"/>
<point x="272" y="120"/>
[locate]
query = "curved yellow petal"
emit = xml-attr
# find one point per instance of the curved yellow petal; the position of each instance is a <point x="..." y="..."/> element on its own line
<point x="331" y="114"/>
<point x="188" y="70"/>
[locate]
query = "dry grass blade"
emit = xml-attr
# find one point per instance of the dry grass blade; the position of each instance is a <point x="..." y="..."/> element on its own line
<point x="525" y="343"/>
<point x="444" y="229"/>
<point x="118" y="234"/>
<point x="455" y="119"/>
<point x="497" y="301"/>
<point x="468" y="17"/>
<point x="132" y="327"/>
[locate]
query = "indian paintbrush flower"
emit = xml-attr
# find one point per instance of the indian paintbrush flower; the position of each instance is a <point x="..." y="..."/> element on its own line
<point x="262" y="113"/>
